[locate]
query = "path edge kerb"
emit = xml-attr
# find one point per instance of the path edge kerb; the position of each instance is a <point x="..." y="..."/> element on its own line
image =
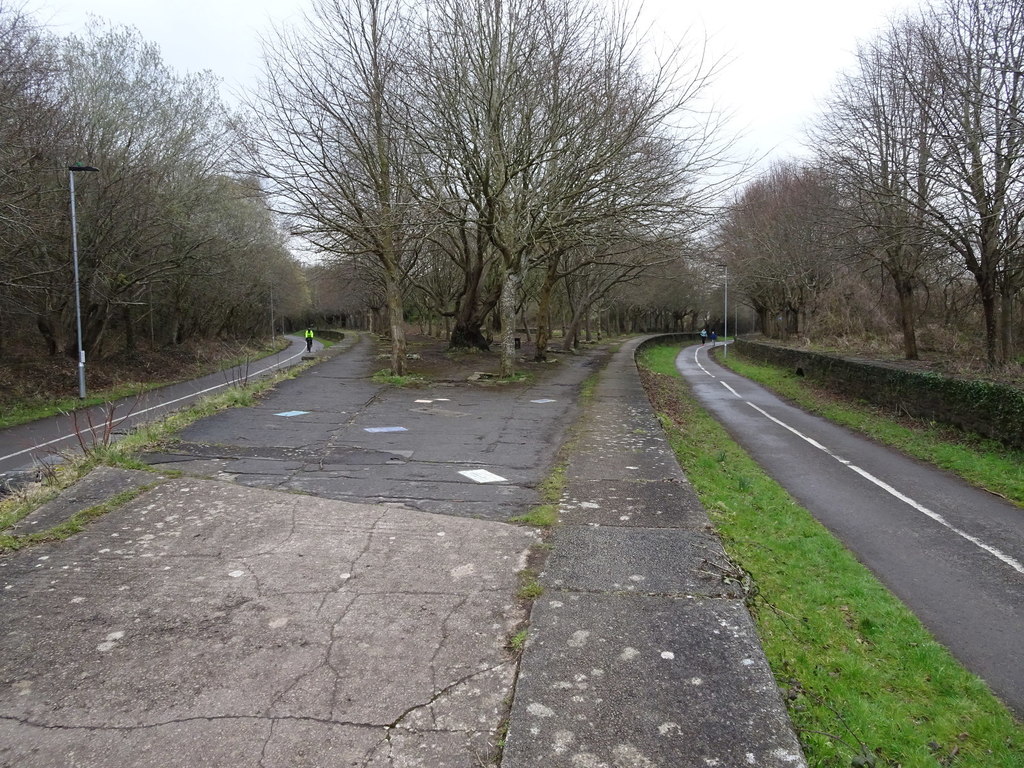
<point x="742" y="715"/>
<point x="684" y="339"/>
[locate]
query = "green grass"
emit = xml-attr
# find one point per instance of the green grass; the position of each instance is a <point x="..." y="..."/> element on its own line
<point x="385" y="376"/>
<point x="983" y="463"/>
<point x="540" y="516"/>
<point x="517" y="642"/>
<point x="530" y="590"/>
<point x="74" y="524"/>
<point x="864" y="681"/>
<point x="23" y="412"/>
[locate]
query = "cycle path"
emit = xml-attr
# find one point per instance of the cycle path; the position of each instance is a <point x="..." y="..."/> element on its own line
<point x="953" y="553"/>
<point x="25" y="447"/>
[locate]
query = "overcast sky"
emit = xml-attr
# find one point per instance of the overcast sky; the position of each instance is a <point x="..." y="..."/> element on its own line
<point x="784" y="54"/>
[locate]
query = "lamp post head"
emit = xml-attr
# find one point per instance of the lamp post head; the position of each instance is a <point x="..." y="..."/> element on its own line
<point x="80" y="167"/>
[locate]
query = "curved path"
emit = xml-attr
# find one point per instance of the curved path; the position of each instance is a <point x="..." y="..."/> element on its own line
<point x="954" y="554"/>
<point x="24" y="447"/>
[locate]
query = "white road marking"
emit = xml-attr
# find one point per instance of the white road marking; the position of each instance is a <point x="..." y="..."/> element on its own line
<point x="482" y="476"/>
<point x="385" y="429"/>
<point x="1010" y="561"/>
<point x="697" y="361"/>
<point x="136" y="414"/>
<point x="731" y="389"/>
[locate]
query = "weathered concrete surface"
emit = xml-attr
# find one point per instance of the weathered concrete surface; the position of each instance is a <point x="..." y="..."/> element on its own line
<point x="98" y="487"/>
<point x="611" y="681"/>
<point x="642" y="653"/>
<point x="210" y="624"/>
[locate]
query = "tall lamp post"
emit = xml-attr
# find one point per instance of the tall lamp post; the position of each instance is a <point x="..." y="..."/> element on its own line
<point x="725" y="321"/>
<point x="74" y="258"/>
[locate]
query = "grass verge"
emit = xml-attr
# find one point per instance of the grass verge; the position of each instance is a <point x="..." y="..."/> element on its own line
<point x="983" y="463"/>
<point x="864" y="681"/>
<point x="32" y="409"/>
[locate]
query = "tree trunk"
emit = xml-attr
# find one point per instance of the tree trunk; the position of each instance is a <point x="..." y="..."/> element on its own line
<point x="905" y="294"/>
<point x="51" y="328"/>
<point x="544" y="312"/>
<point x="509" y="299"/>
<point x="986" y="287"/>
<point x="396" y="323"/>
<point x="1006" y="341"/>
<point x="470" y="313"/>
<point x="129" y="329"/>
<point x="571" y="341"/>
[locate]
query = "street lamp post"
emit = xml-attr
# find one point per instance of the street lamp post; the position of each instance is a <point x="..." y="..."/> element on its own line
<point x="74" y="258"/>
<point x="725" y="321"/>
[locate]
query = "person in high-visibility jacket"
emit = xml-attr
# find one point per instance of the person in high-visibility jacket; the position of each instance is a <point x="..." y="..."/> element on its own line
<point x="309" y="339"/>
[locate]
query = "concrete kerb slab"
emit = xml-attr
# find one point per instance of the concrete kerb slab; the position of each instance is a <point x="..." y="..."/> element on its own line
<point x="206" y="623"/>
<point x="99" y="486"/>
<point x="641" y="651"/>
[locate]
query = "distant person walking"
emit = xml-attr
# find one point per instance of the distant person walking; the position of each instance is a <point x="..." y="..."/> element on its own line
<point x="714" y="338"/>
<point x="309" y="339"/>
<point x="703" y="336"/>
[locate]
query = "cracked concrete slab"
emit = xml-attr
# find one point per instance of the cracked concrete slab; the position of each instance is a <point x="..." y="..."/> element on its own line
<point x="265" y="628"/>
<point x="618" y="681"/>
<point x="641" y="652"/>
<point x="667" y="503"/>
<point x="660" y="560"/>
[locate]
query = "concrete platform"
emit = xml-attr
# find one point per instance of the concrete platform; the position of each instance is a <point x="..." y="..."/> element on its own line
<point x="210" y="624"/>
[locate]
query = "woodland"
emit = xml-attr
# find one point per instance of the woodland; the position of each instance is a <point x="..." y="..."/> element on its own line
<point x="493" y="171"/>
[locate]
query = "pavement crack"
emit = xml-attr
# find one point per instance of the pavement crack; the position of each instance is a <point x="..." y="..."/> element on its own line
<point x="266" y="743"/>
<point x="186" y="720"/>
<point x="445" y="691"/>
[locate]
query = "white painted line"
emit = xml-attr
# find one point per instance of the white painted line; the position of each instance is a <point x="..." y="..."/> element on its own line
<point x="423" y="401"/>
<point x="731" y="389"/>
<point x="291" y="413"/>
<point x="543" y="400"/>
<point x="1010" y="561"/>
<point x="697" y="361"/>
<point x="136" y="414"/>
<point x="385" y="429"/>
<point x="482" y="476"/>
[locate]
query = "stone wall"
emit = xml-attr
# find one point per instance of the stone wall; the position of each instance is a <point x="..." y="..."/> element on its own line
<point x="990" y="409"/>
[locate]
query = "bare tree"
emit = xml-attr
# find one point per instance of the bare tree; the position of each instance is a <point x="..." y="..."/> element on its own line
<point x="780" y="242"/>
<point x="555" y="133"/>
<point x="975" y="48"/>
<point x="879" y="140"/>
<point x="328" y="134"/>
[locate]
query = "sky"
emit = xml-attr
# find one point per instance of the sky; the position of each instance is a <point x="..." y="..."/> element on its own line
<point x="783" y="55"/>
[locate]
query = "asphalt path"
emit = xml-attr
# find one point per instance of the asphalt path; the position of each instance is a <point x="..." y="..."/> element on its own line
<point x="25" y="447"/>
<point x="954" y="554"/>
<point x="449" y="448"/>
